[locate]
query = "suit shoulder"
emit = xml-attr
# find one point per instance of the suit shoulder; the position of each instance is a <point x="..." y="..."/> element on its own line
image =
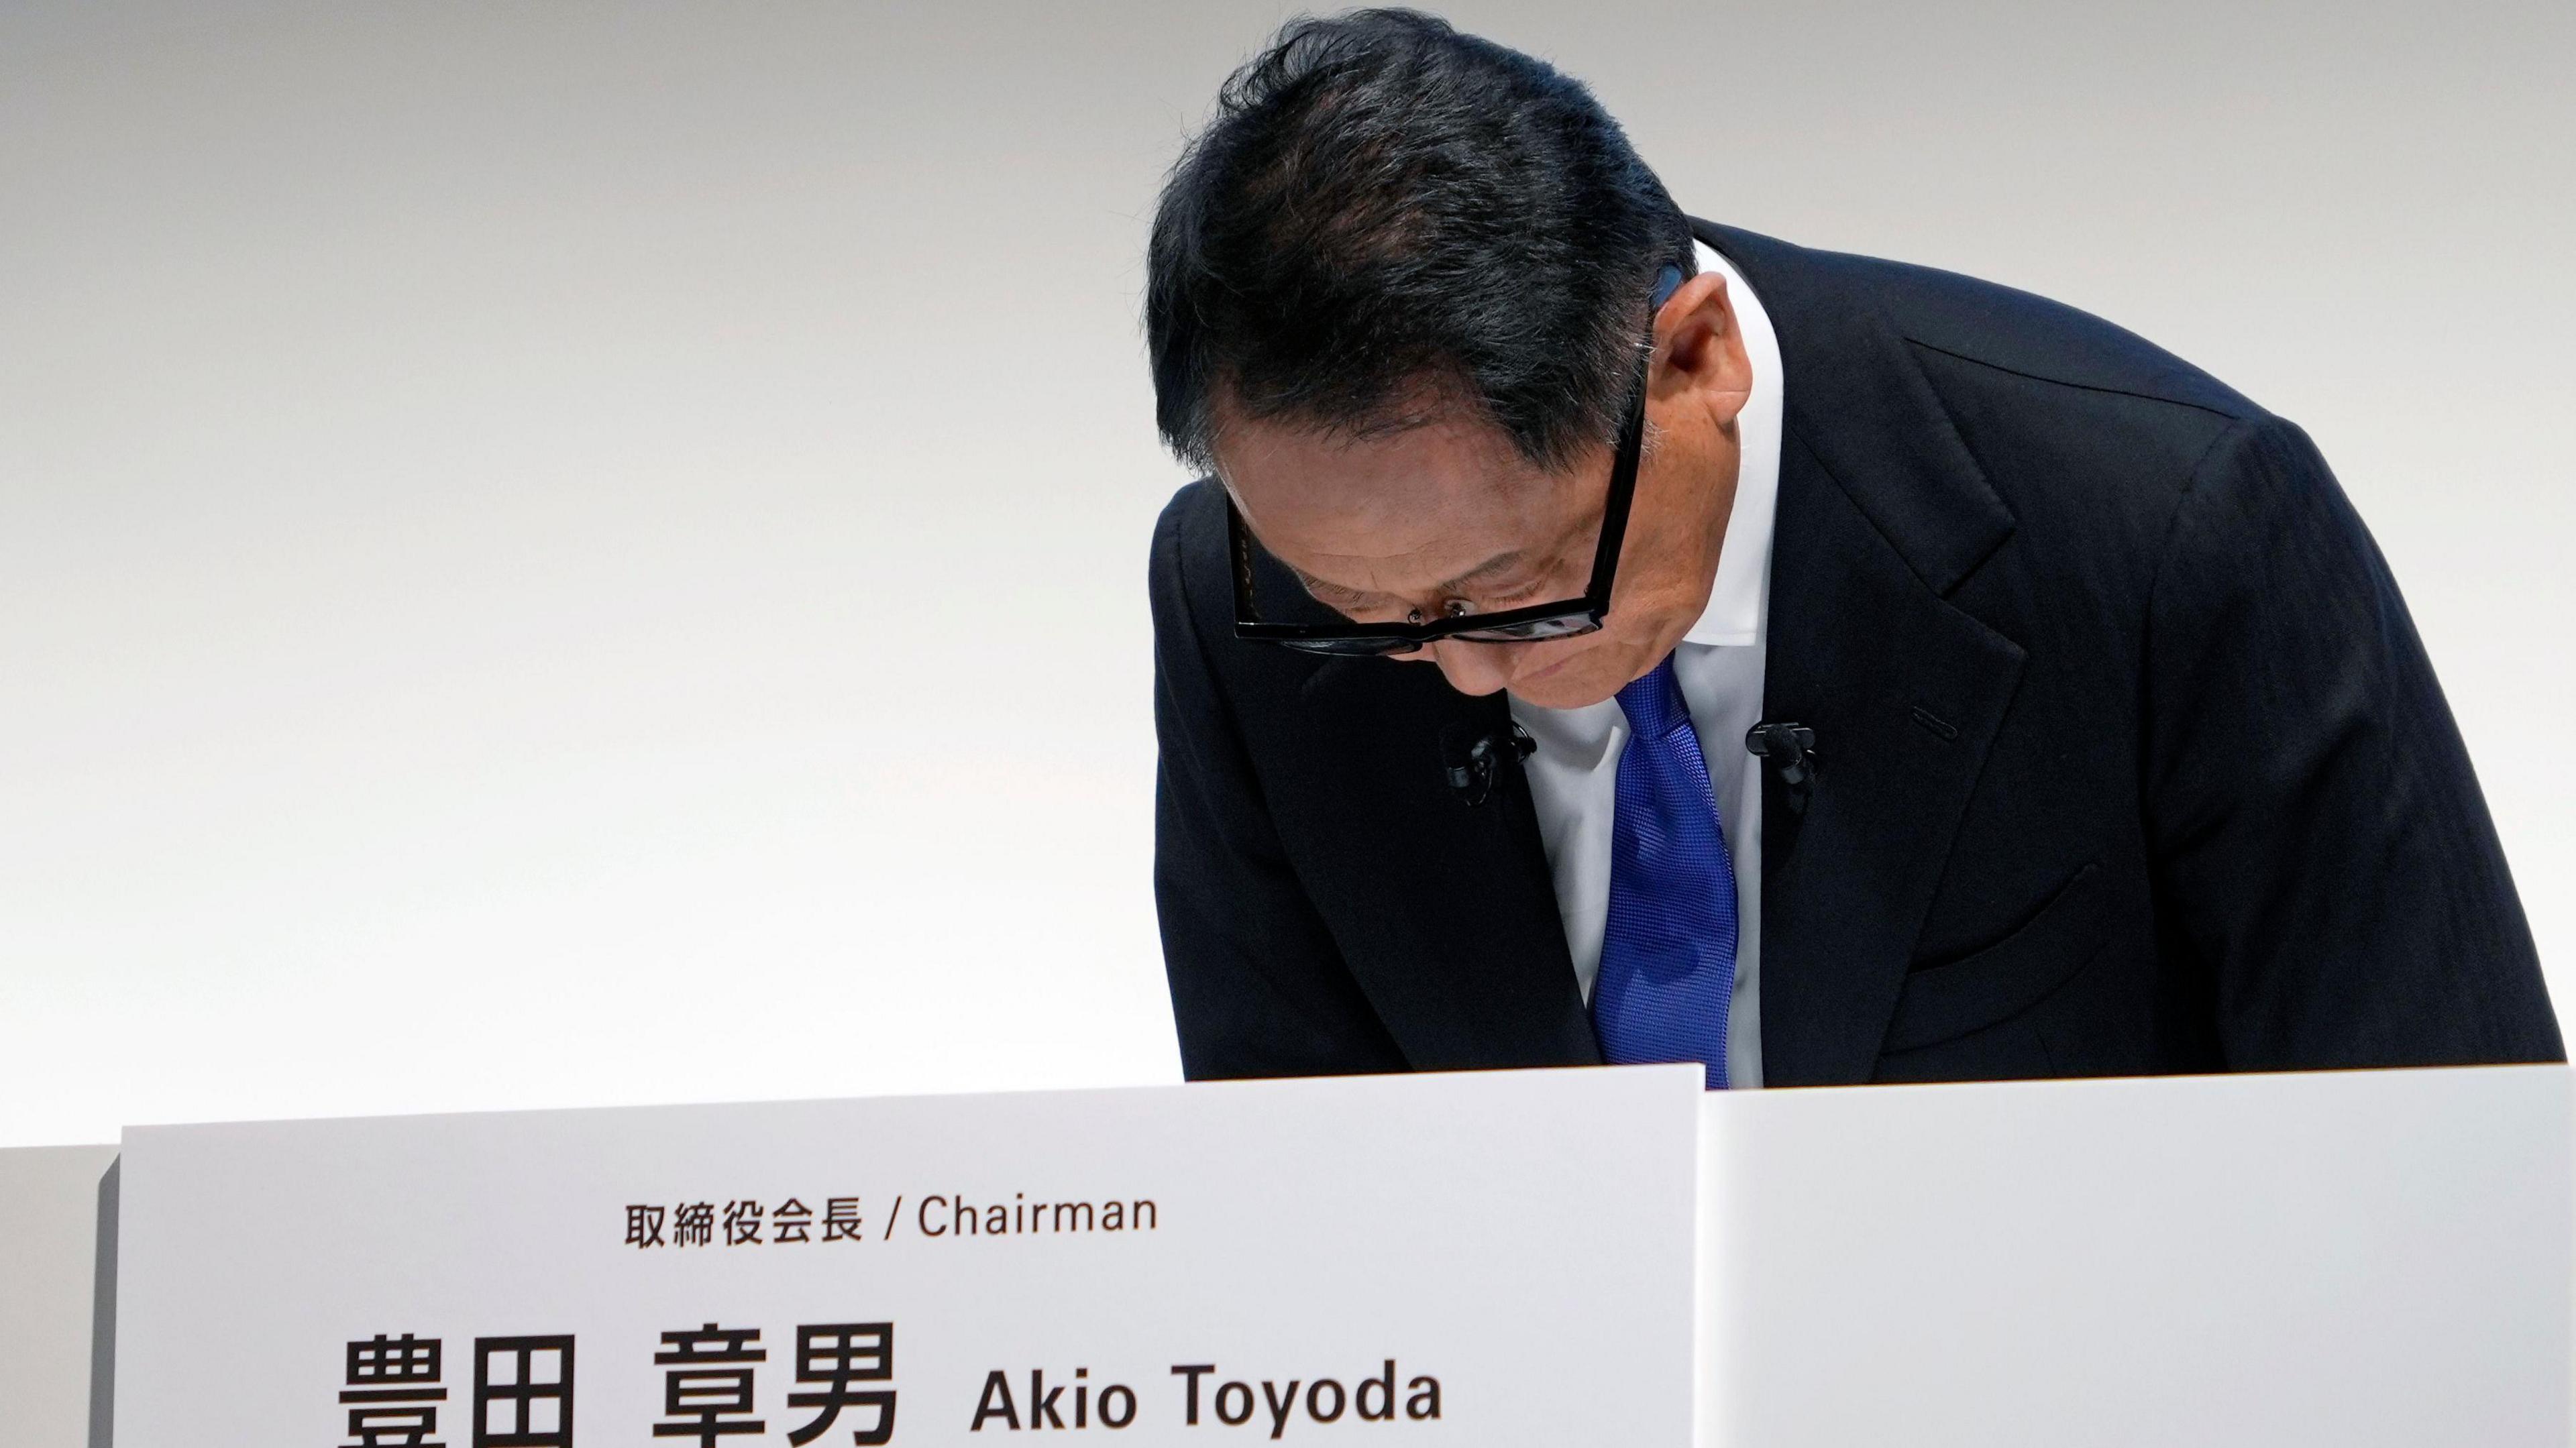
<point x="1975" y="322"/>
<point x="1188" y="537"/>
<point x="2085" y="429"/>
<point x="1990" y="325"/>
<point x="1192" y="501"/>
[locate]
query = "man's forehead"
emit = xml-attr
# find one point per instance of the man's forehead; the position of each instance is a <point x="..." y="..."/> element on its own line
<point x="1451" y="554"/>
<point x="1405" y="574"/>
<point x="1403" y="489"/>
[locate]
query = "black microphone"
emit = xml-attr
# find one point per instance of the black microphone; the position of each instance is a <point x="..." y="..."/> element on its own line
<point x="1473" y="776"/>
<point x="1790" y="750"/>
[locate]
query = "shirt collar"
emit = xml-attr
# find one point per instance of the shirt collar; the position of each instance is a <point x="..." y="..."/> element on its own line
<point x="1737" y="601"/>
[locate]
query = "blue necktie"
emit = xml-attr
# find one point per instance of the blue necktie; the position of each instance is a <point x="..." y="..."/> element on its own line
<point x="1667" y="973"/>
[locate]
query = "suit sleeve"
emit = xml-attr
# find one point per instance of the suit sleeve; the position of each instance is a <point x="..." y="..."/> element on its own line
<point x="1258" y="986"/>
<point x="2321" y="841"/>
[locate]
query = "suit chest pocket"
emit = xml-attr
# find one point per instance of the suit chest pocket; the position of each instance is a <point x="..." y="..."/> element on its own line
<point x="1995" y="984"/>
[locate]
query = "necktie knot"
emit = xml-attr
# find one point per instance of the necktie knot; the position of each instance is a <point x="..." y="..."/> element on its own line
<point x="1653" y="702"/>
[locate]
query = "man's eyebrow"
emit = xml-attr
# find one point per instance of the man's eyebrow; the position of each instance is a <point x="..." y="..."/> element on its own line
<point x="1459" y="584"/>
<point x="1324" y="588"/>
<point x="1509" y="558"/>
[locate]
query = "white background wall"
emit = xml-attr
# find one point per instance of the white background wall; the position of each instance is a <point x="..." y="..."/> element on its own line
<point x="590" y="553"/>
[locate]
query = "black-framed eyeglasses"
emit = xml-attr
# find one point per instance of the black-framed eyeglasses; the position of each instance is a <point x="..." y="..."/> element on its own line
<point x="1562" y="619"/>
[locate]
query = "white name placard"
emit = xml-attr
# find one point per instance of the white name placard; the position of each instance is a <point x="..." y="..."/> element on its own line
<point x="1487" y="1258"/>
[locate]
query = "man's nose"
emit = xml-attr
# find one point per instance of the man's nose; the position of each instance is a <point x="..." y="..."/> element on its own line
<point x="1471" y="668"/>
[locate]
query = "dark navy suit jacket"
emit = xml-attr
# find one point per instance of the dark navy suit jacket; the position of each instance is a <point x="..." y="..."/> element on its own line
<point x="2131" y="759"/>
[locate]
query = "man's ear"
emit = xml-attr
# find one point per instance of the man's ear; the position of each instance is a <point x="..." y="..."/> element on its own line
<point x="1699" y="351"/>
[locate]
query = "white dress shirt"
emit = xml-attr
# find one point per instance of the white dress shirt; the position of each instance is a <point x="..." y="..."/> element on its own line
<point x="1574" y="775"/>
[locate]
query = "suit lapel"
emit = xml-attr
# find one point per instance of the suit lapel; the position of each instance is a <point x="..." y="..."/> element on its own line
<point x="1457" y="942"/>
<point x="1882" y="514"/>
<point x="1904" y="693"/>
